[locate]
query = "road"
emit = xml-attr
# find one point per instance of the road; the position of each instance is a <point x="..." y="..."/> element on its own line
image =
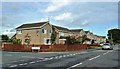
<point x="65" y="60"/>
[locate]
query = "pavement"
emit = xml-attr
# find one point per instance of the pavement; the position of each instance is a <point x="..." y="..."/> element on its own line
<point x="92" y="58"/>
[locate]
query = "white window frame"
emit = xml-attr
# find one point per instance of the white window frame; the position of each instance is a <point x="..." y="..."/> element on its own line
<point x="45" y="39"/>
<point x="62" y="33"/>
<point x="19" y="31"/>
<point x="45" y="31"/>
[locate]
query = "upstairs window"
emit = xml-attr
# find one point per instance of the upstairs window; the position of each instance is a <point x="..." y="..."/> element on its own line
<point x="50" y="31"/>
<point x="19" y="31"/>
<point x="62" y="33"/>
<point x="44" y="31"/>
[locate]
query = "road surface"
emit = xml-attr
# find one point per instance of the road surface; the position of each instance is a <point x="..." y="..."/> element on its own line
<point x="63" y="60"/>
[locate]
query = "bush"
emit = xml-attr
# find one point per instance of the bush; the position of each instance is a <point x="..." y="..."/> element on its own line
<point x="16" y="41"/>
<point x="91" y="47"/>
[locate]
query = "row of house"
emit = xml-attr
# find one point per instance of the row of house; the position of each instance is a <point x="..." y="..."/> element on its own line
<point x="40" y="33"/>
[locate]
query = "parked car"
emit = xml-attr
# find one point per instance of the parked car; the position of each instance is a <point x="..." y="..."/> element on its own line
<point x="101" y="44"/>
<point x="107" y="46"/>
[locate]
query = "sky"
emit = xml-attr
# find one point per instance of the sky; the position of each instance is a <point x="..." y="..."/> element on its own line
<point x="96" y="17"/>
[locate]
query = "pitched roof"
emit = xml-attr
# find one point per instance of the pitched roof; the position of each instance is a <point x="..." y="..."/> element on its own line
<point x="87" y="32"/>
<point x="76" y="30"/>
<point x="61" y="28"/>
<point x="32" y="25"/>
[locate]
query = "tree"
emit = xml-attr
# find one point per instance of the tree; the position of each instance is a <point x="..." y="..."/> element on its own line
<point x="5" y="38"/>
<point x="72" y="40"/>
<point x="93" y="41"/>
<point x="68" y="40"/>
<point x="53" y="35"/>
<point x="114" y="35"/>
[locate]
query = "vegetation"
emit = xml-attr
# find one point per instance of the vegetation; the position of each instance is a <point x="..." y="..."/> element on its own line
<point x="93" y="47"/>
<point x="69" y="40"/>
<point x="16" y="41"/>
<point x="27" y="41"/>
<point x="53" y="36"/>
<point x="4" y="38"/>
<point x="72" y="40"/>
<point x="114" y="36"/>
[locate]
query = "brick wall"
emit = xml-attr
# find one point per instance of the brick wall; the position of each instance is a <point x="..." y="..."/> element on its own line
<point x="46" y="48"/>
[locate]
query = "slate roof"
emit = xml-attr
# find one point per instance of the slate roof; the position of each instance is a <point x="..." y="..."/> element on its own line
<point x="86" y="32"/>
<point x="76" y="30"/>
<point x="61" y="28"/>
<point x="31" y="25"/>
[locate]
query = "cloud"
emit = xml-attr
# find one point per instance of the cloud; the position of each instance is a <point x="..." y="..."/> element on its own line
<point x="64" y="16"/>
<point x="8" y="32"/>
<point x="55" y="5"/>
<point x="43" y="20"/>
<point x="85" y="23"/>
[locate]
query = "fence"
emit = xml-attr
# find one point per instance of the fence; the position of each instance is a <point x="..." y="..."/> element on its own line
<point x="45" y="48"/>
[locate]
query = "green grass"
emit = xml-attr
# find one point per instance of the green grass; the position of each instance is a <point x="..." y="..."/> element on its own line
<point x="93" y="47"/>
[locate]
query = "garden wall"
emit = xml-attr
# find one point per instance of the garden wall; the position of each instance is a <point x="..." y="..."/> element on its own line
<point x="45" y="48"/>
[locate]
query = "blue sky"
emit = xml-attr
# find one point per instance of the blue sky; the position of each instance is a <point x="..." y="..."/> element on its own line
<point x="96" y="17"/>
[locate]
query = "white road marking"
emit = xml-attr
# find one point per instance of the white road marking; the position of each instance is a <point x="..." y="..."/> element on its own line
<point x="20" y="64"/>
<point x="104" y="53"/>
<point x="74" y="65"/>
<point x="94" y="57"/>
<point x="60" y="56"/>
<point x="71" y="54"/>
<point x="107" y="52"/>
<point x="38" y="61"/>
<point x="56" y="57"/>
<point x="40" y="58"/>
<point x="111" y="51"/>
<point x="68" y="55"/>
<point x="74" y="54"/>
<point x="13" y="66"/>
<point x="51" y="58"/>
<point x="25" y="63"/>
<point x="64" y="55"/>
<point x="21" y="60"/>
<point x="31" y="62"/>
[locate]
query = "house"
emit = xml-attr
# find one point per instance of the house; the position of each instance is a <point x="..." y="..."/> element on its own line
<point x="34" y="33"/>
<point x="40" y="34"/>
<point x="77" y="33"/>
<point x="62" y="33"/>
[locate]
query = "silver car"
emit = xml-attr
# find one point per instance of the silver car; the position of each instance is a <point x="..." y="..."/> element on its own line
<point x="107" y="46"/>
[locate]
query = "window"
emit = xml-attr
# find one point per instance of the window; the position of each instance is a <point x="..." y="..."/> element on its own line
<point x="62" y="33"/>
<point x="47" y="41"/>
<point x="50" y="31"/>
<point x="44" y="31"/>
<point x="19" y="31"/>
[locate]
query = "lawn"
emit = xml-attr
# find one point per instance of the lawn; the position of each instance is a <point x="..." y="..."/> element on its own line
<point x="94" y="47"/>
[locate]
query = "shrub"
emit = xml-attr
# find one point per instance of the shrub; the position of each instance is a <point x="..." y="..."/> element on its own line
<point x="16" y="41"/>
